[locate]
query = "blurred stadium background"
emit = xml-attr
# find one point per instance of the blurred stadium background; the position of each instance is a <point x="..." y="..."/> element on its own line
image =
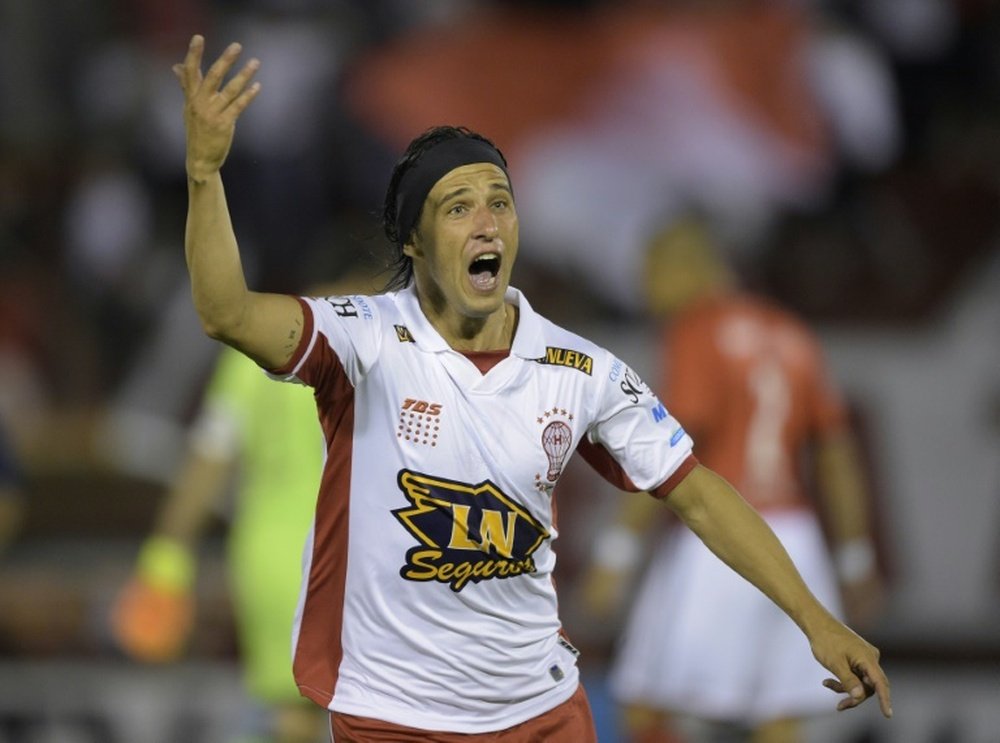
<point x="848" y="151"/>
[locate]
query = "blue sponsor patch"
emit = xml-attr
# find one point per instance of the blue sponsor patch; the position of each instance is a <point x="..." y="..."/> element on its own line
<point x="678" y="435"/>
<point x="660" y="414"/>
<point x="366" y="311"/>
<point x="616" y="370"/>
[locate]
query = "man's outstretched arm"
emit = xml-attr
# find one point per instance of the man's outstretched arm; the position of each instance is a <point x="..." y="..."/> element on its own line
<point x="266" y="327"/>
<point x="742" y="539"/>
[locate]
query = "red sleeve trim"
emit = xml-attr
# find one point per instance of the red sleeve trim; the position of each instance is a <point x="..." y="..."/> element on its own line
<point x="307" y="333"/>
<point x="605" y="465"/>
<point x="664" y="489"/>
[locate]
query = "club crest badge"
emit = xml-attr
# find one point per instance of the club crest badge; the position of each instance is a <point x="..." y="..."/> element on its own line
<point x="557" y="443"/>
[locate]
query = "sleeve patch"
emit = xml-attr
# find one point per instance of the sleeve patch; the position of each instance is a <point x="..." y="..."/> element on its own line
<point x="568" y="357"/>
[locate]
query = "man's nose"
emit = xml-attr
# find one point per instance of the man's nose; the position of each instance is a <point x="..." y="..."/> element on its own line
<point x="486" y="223"/>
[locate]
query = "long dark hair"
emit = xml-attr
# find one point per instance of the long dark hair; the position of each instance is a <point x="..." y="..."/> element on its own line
<point x="400" y="265"/>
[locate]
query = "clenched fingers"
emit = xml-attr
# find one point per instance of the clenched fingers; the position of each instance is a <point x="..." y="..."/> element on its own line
<point x="875" y="681"/>
<point x="859" y="684"/>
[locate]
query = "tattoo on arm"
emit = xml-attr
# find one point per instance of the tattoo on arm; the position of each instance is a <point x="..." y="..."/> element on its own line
<point x="293" y="337"/>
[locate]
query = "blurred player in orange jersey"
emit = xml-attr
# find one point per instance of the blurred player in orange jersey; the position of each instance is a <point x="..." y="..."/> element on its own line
<point x="747" y="380"/>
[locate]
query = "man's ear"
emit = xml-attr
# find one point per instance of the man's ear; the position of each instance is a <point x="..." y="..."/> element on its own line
<point x="412" y="246"/>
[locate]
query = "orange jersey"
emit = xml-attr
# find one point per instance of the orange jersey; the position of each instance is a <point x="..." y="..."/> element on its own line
<point x="747" y="381"/>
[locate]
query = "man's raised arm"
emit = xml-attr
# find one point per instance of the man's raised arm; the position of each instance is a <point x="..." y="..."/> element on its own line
<point x="266" y="327"/>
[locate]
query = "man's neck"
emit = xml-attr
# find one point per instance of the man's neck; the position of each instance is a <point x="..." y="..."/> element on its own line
<point x="492" y="333"/>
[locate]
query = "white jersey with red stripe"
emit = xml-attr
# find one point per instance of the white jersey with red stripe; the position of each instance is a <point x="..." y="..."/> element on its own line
<point x="428" y="598"/>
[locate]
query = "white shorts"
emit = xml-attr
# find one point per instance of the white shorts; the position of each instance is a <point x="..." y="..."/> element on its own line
<point x="702" y="641"/>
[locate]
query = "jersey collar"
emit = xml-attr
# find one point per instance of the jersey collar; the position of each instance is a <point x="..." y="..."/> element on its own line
<point x="528" y="341"/>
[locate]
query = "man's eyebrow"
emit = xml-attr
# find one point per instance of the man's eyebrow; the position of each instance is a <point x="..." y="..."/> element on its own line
<point x="454" y="194"/>
<point x="462" y="190"/>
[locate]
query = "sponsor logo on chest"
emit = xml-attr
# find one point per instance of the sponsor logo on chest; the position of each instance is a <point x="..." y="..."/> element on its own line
<point x="419" y="422"/>
<point x="467" y="533"/>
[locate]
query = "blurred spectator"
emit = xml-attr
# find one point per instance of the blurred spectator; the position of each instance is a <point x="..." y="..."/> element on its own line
<point x="280" y="165"/>
<point x="748" y="382"/>
<point x="281" y="189"/>
<point x="109" y="239"/>
<point x="12" y="495"/>
<point x="744" y="108"/>
<point x="913" y="29"/>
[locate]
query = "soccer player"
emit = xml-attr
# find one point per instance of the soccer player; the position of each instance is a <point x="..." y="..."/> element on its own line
<point x="748" y="379"/>
<point x="449" y="408"/>
<point x="264" y="438"/>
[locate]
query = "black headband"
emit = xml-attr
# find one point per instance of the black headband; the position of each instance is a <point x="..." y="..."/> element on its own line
<point x="433" y="165"/>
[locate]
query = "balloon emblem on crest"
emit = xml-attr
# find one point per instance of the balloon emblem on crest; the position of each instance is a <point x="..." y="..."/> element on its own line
<point x="556" y="438"/>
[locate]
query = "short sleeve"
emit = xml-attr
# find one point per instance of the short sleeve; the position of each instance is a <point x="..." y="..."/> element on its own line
<point x="341" y="337"/>
<point x="636" y="431"/>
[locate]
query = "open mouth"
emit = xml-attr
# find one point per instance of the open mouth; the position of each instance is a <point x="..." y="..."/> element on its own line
<point x="484" y="271"/>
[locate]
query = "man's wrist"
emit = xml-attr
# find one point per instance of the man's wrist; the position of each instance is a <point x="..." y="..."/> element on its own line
<point x="200" y="173"/>
<point x="198" y="178"/>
